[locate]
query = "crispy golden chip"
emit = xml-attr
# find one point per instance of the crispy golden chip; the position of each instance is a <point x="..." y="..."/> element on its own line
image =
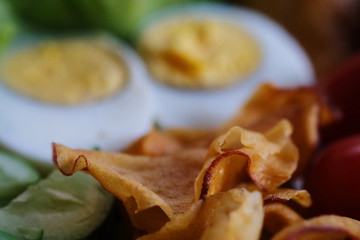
<point x="323" y="227"/>
<point x="155" y="183"/>
<point x="301" y="106"/>
<point x="269" y="159"/>
<point x="155" y="143"/>
<point x="284" y="195"/>
<point x="278" y="216"/>
<point x="235" y="214"/>
<point x="281" y="195"/>
<point x="194" y="137"/>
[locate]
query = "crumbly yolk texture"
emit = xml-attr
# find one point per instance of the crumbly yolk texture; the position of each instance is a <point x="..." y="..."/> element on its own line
<point x="199" y="53"/>
<point x="70" y="71"/>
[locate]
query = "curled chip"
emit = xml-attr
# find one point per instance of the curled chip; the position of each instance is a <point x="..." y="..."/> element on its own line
<point x="278" y="216"/>
<point x="269" y="160"/>
<point x="323" y="227"/>
<point x="281" y="195"/>
<point x="235" y="214"/>
<point x="301" y="106"/>
<point x="284" y="195"/>
<point x="148" y="186"/>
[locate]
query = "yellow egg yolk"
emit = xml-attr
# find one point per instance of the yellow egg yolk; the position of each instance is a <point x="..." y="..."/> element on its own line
<point x="199" y="53"/>
<point x="70" y="71"/>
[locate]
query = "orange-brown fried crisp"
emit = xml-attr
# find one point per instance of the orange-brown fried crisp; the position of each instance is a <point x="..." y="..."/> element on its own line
<point x="235" y="214"/>
<point x="155" y="190"/>
<point x="301" y="106"/>
<point x="281" y="195"/>
<point x="268" y="159"/>
<point x="160" y="186"/>
<point x="155" y="143"/>
<point x="278" y="216"/>
<point x="322" y="227"/>
<point x="221" y="183"/>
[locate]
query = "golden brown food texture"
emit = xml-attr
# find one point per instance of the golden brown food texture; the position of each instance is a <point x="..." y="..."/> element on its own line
<point x="235" y="214"/>
<point x="278" y="216"/>
<point x="158" y="189"/>
<point x="322" y="227"/>
<point x="277" y="213"/>
<point x="302" y="106"/>
<point x="281" y="195"/>
<point x="268" y="159"/>
<point x="155" y="143"/>
<point x="160" y="185"/>
<point x="170" y="183"/>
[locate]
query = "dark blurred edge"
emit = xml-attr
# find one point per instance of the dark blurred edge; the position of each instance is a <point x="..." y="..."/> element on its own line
<point x="329" y="30"/>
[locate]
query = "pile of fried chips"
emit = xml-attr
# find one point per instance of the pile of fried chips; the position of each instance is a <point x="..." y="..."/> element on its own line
<point x="222" y="183"/>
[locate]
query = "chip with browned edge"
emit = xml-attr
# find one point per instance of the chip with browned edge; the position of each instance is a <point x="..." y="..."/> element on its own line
<point x="278" y="216"/>
<point x="153" y="189"/>
<point x="301" y="106"/>
<point x="268" y="159"/>
<point x="235" y="214"/>
<point x="322" y="227"/>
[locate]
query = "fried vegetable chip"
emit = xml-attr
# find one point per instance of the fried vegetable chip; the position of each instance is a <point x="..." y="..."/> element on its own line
<point x="284" y="195"/>
<point x="235" y="214"/>
<point x="322" y="227"/>
<point x="281" y="195"/>
<point x="155" y="143"/>
<point x="269" y="159"/>
<point x="301" y="106"/>
<point x="278" y="216"/>
<point x="194" y="137"/>
<point x="156" y="184"/>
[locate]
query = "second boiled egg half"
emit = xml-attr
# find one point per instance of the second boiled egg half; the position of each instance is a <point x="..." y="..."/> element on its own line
<point x="206" y="60"/>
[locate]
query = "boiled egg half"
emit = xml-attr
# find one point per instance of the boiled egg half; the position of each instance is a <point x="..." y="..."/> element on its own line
<point x="85" y="92"/>
<point x="206" y="60"/>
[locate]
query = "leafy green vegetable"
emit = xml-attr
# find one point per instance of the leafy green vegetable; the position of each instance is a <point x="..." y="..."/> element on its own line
<point x="59" y="207"/>
<point x="8" y="24"/>
<point x="15" y="176"/>
<point x="48" y="13"/>
<point x="119" y="16"/>
<point x="27" y="233"/>
<point x="6" y="236"/>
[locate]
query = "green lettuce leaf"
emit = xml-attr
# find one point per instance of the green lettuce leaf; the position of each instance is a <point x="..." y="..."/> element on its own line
<point x="118" y="16"/>
<point x="8" y="24"/>
<point x="58" y="207"/>
<point x="15" y="176"/>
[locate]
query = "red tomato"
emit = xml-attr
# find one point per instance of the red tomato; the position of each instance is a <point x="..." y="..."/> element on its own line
<point x="334" y="179"/>
<point x="342" y="90"/>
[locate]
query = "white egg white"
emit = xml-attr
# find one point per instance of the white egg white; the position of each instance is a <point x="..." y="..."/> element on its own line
<point x="283" y="63"/>
<point x="29" y="127"/>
